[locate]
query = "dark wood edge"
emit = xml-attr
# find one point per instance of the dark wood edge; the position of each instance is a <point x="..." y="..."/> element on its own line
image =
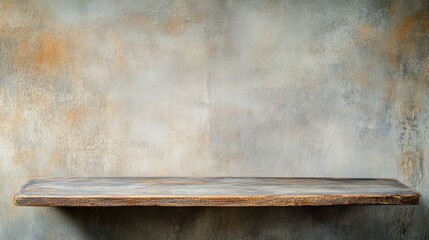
<point x="222" y="201"/>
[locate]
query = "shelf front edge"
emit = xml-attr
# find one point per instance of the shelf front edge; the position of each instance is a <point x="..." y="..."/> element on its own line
<point x="201" y="201"/>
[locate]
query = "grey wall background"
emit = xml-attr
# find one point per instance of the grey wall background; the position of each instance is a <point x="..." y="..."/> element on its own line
<point x="214" y="88"/>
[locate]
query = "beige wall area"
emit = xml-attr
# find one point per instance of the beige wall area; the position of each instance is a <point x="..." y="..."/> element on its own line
<point x="214" y="88"/>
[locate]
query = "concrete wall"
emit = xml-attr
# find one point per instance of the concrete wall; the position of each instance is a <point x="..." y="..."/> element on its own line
<point x="214" y="88"/>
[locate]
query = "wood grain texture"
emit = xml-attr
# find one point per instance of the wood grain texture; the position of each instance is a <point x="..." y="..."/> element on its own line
<point x="180" y="192"/>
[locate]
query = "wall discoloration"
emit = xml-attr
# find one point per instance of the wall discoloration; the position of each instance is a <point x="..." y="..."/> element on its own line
<point x="412" y="166"/>
<point x="76" y="115"/>
<point x="214" y="88"/>
<point x="52" y="54"/>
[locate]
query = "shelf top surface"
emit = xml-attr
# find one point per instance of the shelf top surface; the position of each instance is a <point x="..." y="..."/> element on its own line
<point x="167" y="191"/>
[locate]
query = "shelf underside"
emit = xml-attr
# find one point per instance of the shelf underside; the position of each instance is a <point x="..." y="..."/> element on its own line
<point x="184" y="192"/>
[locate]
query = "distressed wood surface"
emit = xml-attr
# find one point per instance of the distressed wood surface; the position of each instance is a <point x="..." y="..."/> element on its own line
<point x="142" y="191"/>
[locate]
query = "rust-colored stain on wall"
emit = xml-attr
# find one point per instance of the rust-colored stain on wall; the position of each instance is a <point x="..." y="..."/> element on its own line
<point x="52" y="54"/>
<point x="214" y="88"/>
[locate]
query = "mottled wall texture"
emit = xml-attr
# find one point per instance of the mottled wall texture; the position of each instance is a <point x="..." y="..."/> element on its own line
<point x="214" y="88"/>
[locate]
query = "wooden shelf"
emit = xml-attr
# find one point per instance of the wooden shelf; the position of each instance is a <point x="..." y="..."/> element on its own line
<point x="183" y="192"/>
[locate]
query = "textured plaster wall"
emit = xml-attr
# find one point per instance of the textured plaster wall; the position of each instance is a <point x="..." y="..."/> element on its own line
<point x="214" y="88"/>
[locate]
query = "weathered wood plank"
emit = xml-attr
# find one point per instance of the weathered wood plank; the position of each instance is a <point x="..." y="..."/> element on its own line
<point x="142" y="191"/>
